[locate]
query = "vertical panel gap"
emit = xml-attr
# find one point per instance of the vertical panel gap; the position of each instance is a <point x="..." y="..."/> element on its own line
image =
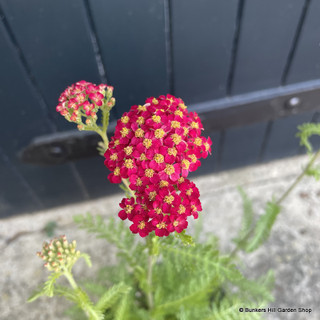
<point x="295" y="41"/>
<point x="95" y="41"/>
<point x="169" y="44"/>
<point x="235" y="46"/>
<point x="31" y="80"/>
<point x="21" y="179"/>
<point x="265" y="141"/>
<point x="78" y="178"/>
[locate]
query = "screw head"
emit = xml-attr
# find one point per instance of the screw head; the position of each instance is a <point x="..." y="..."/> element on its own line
<point x="293" y="103"/>
<point x="56" y="152"/>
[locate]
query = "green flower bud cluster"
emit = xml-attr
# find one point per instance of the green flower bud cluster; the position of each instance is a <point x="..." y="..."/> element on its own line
<point x="59" y="254"/>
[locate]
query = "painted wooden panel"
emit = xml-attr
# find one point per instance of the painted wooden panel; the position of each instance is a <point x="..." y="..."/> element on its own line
<point x="267" y="32"/>
<point x="56" y="44"/>
<point x="283" y="141"/>
<point x="15" y="194"/>
<point x="203" y="34"/>
<point x="24" y="119"/>
<point x="132" y="38"/>
<point x="306" y="60"/>
<point x="242" y="146"/>
<point x="55" y="40"/>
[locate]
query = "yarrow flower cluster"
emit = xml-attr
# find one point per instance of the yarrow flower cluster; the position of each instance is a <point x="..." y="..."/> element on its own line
<point x="59" y="253"/>
<point x="155" y="146"/>
<point x="83" y="100"/>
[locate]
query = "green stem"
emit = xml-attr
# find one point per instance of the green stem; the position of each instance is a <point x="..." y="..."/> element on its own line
<point x="103" y="135"/>
<point x="151" y="261"/>
<point x="87" y="308"/>
<point x="71" y="280"/>
<point x="299" y="178"/>
<point x="280" y="200"/>
<point x="149" y="281"/>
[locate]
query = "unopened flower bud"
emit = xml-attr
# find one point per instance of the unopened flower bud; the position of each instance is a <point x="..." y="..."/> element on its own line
<point x="59" y="253"/>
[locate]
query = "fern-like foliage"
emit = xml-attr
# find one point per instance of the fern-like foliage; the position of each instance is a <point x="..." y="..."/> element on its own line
<point x="313" y="172"/>
<point x="48" y="288"/>
<point x="112" y="295"/>
<point x="263" y="226"/>
<point x="247" y="218"/>
<point x="307" y="130"/>
<point x="234" y="308"/>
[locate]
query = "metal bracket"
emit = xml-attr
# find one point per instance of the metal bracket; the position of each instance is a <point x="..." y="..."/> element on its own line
<point x="216" y="115"/>
<point x="61" y="147"/>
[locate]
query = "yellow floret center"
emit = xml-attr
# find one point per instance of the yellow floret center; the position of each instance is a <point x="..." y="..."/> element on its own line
<point x="142" y="108"/>
<point x="156" y="119"/>
<point x="114" y="156"/>
<point x="147" y="143"/>
<point x="168" y="199"/>
<point x="175" y="124"/>
<point x="158" y="158"/>
<point x="181" y="179"/>
<point x="125" y="119"/>
<point x="169" y="170"/>
<point x="152" y="195"/>
<point x="193" y="158"/>
<point x="116" y="171"/>
<point x="149" y="173"/>
<point x="116" y="142"/>
<point x="186" y="163"/>
<point x="194" y="125"/>
<point x="176" y="138"/>
<point x="128" y="208"/>
<point x="128" y="163"/>
<point x="158" y="210"/>
<point x="155" y="101"/>
<point x="143" y="157"/>
<point x="172" y="151"/>
<point x="140" y="120"/>
<point x="128" y="150"/>
<point x="163" y="183"/>
<point x="141" y="225"/>
<point x="176" y="223"/>
<point x="161" y="225"/>
<point x="124" y="132"/>
<point x="139" y="182"/>
<point x="178" y="113"/>
<point x="182" y="209"/>
<point x="198" y="141"/>
<point x="139" y="133"/>
<point x="189" y="192"/>
<point x="159" y="133"/>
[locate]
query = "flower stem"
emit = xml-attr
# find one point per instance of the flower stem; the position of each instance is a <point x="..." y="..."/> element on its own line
<point x="151" y="260"/>
<point x="70" y="278"/>
<point x="87" y="308"/>
<point x="299" y="178"/>
<point x="149" y="281"/>
<point x="280" y="200"/>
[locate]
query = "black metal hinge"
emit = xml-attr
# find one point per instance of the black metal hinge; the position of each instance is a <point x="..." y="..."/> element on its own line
<point x="216" y="115"/>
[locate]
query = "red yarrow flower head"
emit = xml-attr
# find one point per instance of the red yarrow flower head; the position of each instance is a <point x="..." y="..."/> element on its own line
<point x="155" y="146"/>
<point x="83" y="99"/>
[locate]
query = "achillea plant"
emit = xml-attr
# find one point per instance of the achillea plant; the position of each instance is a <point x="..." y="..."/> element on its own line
<point x="168" y="276"/>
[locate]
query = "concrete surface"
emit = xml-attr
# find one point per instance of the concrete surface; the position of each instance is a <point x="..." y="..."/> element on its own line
<point x="292" y="251"/>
